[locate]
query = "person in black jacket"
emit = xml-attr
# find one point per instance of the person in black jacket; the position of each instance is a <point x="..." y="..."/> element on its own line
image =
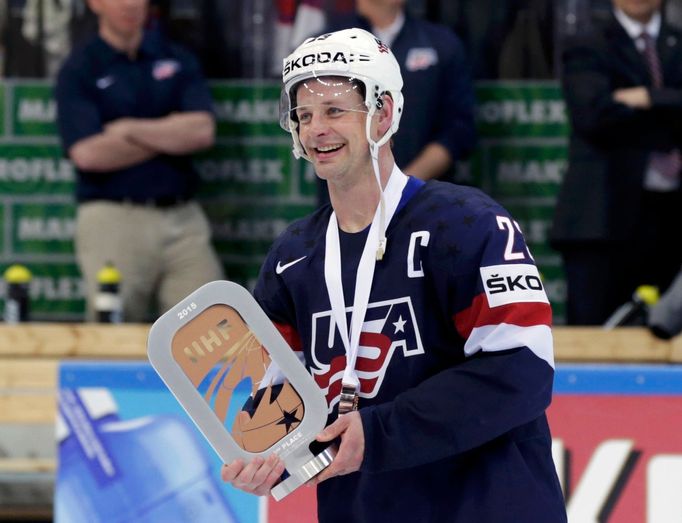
<point x="617" y="211"/>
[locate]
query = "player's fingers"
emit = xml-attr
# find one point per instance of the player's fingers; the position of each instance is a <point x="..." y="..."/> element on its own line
<point x="351" y="450"/>
<point x="262" y="474"/>
<point x="230" y="471"/>
<point x="271" y="479"/>
<point x="334" y="430"/>
<point x="244" y="480"/>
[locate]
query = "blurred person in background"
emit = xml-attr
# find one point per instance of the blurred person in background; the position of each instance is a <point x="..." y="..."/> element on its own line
<point x="616" y="220"/>
<point x="40" y="34"/>
<point x="215" y="31"/>
<point x="46" y="25"/>
<point x="132" y="107"/>
<point x="296" y="20"/>
<point x="438" y="128"/>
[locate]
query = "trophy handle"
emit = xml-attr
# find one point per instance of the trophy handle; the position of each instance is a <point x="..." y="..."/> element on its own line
<point x="304" y="473"/>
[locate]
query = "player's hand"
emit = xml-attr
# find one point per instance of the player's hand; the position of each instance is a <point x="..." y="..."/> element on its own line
<point x="635" y="97"/>
<point x="256" y="477"/>
<point x="352" y="449"/>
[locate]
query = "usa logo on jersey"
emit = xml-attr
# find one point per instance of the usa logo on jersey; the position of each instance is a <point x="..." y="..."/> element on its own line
<point x="389" y="326"/>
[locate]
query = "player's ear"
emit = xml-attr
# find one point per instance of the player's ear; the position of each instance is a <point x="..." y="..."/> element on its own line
<point x="385" y="114"/>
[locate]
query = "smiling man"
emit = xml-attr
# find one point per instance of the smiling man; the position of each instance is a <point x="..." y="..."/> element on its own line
<point x="418" y="310"/>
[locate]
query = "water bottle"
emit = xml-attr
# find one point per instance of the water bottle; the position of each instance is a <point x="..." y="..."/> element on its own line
<point x="150" y="469"/>
<point x="635" y="311"/>
<point x="108" y="302"/>
<point x="17" y="299"/>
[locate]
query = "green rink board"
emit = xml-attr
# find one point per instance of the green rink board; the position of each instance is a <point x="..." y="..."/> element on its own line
<point x="40" y="228"/>
<point x="252" y="188"/>
<point x="34" y="170"/>
<point x="247" y="109"/>
<point x="248" y="170"/>
<point x="520" y="110"/>
<point x="246" y="273"/>
<point x="521" y="171"/>
<point x="247" y="232"/>
<point x="3" y="130"/>
<point x="33" y="110"/>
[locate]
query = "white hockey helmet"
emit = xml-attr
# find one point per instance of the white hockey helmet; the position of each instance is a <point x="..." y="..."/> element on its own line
<point x="351" y="53"/>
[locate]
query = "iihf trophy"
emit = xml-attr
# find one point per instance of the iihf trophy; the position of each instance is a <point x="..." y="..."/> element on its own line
<point x="239" y="381"/>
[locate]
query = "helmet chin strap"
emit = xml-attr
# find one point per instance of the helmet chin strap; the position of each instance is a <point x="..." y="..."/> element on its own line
<point x="374" y="152"/>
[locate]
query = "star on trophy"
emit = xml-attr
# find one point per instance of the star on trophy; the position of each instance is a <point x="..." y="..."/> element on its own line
<point x="239" y="381"/>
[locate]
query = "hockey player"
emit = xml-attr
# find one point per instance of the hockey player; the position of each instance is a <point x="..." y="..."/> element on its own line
<point x="417" y="308"/>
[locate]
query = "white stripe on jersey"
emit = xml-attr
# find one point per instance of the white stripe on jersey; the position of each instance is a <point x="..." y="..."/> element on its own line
<point x="493" y="338"/>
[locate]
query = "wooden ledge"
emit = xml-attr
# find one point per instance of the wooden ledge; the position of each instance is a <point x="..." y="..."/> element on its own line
<point x="80" y="340"/>
<point x="30" y="356"/>
<point x="622" y="345"/>
<point x="27" y="466"/>
<point x="129" y="341"/>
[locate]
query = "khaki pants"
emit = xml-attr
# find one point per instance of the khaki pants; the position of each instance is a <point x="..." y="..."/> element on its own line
<point x="163" y="254"/>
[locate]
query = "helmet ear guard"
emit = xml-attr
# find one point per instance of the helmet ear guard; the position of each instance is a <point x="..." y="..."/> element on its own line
<point x="354" y="54"/>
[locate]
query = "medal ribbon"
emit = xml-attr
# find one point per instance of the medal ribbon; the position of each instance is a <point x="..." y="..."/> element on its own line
<point x="364" y="276"/>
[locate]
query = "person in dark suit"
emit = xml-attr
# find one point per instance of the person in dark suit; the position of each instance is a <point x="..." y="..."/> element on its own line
<point x="617" y="215"/>
<point x="437" y="129"/>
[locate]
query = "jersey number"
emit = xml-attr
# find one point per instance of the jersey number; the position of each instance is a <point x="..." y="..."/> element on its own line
<point x="504" y="223"/>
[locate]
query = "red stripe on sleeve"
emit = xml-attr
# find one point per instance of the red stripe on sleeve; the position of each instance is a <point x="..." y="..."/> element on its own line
<point x="290" y="335"/>
<point x="523" y="314"/>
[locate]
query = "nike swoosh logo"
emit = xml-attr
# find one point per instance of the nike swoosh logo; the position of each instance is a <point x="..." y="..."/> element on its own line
<point x="105" y="82"/>
<point x="281" y="268"/>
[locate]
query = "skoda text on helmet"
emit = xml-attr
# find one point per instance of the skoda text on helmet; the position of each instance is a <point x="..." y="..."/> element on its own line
<point x="351" y="53"/>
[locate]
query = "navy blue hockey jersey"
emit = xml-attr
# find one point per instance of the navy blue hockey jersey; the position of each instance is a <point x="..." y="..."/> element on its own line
<point x="455" y="361"/>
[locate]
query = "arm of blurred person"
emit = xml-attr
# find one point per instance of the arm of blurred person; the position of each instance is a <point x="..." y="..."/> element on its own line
<point x="453" y="127"/>
<point x="587" y="87"/>
<point x="432" y="162"/>
<point x="86" y="138"/>
<point x="129" y="141"/>
<point x="635" y="97"/>
<point x="175" y="134"/>
<point x="600" y="112"/>
<point x="107" y="151"/>
<point x="649" y="97"/>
